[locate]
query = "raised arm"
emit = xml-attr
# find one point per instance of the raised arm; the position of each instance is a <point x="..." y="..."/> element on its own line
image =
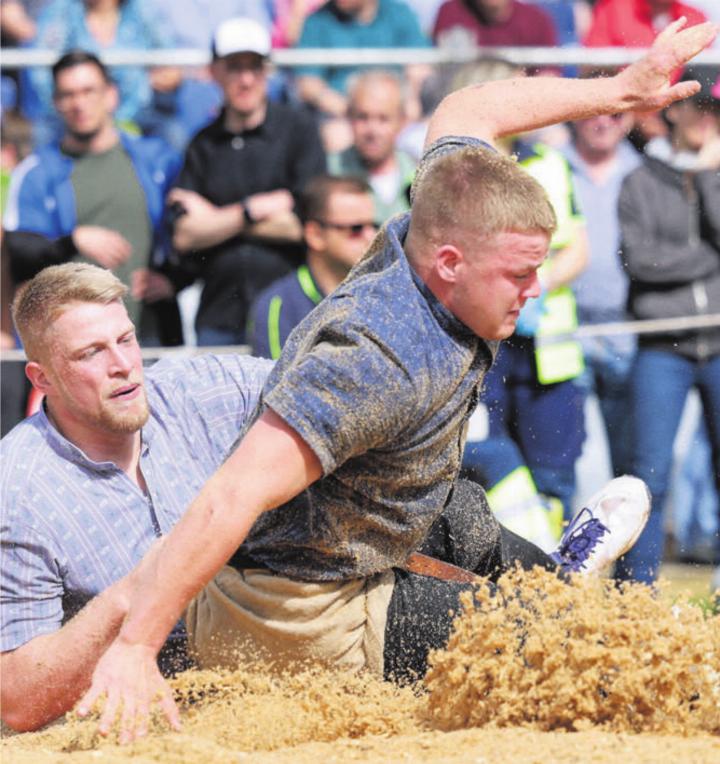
<point x="271" y="465"/>
<point x="508" y="107"/>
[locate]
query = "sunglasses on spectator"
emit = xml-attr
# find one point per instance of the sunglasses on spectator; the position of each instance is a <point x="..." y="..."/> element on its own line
<point x="353" y="229"/>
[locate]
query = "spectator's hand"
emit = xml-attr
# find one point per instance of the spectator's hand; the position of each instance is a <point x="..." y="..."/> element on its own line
<point x="202" y="223"/>
<point x="270" y="203"/>
<point x="529" y="319"/>
<point x="646" y="83"/>
<point x="165" y="79"/>
<point x="150" y="286"/>
<point x="15" y="22"/>
<point x="196" y="206"/>
<point x="107" y="248"/>
<point x="332" y="103"/>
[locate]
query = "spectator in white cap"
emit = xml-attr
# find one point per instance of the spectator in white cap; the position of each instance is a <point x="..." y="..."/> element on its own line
<point x="234" y="202"/>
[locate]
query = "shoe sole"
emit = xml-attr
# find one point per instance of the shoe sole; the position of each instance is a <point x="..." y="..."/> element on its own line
<point x="646" y="515"/>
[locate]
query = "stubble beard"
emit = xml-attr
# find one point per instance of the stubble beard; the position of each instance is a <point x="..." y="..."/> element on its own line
<point x="124" y="422"/>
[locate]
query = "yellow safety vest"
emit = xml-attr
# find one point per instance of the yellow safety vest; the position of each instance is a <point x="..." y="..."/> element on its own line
<point x="562" y="360"/>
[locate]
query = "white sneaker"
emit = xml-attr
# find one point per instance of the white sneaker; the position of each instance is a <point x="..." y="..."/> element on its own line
<point x="605" y="528"/>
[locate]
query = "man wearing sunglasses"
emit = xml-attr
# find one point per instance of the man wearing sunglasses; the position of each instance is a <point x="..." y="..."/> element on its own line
<point x="337" y="215"/>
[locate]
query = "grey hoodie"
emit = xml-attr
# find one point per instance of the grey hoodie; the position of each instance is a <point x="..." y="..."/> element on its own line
<point x="670" y="246"/>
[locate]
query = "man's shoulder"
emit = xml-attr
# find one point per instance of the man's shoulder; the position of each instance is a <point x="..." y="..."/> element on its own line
<point x="285" y="287"/>
<point x="148" y="149"/>
<point x="44" y="160"/>
<point x="173" y="380"/>
<point x="25" y="447"/>
<point x="347" y="162"/>
<point x="397" y="10"/>
<point x="211" y="133"/>
<point x="289" y="117"/>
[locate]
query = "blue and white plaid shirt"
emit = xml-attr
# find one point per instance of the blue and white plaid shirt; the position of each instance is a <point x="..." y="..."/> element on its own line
<point x="71" y="527"/>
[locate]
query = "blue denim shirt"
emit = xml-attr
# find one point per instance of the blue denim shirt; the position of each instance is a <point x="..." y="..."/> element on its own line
<point x="379" y="381"/>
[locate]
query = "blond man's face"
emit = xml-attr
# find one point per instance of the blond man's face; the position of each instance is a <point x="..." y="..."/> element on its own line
<point x="94" y="369"/>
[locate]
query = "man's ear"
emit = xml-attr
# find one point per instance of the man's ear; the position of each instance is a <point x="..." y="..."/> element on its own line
<point x="314" y="237"/>
<point x="217" y="70"/>
<point x="448" y="259"/>
<point x="112" y="98"/>
<point x="37" y="376"/>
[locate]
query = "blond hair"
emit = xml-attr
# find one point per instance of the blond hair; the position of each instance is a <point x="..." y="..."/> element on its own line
<point x="42" y="300"/>
<point x="473" y="193"/>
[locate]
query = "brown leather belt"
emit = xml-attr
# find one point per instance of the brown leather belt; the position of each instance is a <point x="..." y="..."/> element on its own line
<point x="445" y="571"/>
<point x="418" y="563"/>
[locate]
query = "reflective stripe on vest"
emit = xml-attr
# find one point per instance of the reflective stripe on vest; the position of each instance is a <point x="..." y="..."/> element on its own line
<point x="518" y="506"/>
<point x="274" y="327"/>
<point x="309" y="289"/>
<point x="561" y="361"/>
<point x="308" y="285"/>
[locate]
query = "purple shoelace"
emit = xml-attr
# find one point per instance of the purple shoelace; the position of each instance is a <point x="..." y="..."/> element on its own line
<point x="579" y="540"/>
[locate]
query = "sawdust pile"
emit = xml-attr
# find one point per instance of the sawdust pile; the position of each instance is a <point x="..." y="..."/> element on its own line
<point x="552" y="655"/>
<point x="554" y="658"/>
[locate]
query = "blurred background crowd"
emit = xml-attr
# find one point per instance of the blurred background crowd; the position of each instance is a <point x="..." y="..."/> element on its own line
<point x="232" y="194"/>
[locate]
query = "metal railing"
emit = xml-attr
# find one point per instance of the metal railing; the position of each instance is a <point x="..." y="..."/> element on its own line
<point x="293" y="57"/>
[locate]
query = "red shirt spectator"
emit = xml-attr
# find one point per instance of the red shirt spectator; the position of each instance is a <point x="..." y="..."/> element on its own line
<point x="635" y="23"/>
<point x="492" y="22"/>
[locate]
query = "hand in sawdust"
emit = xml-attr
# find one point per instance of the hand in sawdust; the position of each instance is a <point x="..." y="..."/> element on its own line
<point x="128" y="678"/>
<point x="647" y="82"/>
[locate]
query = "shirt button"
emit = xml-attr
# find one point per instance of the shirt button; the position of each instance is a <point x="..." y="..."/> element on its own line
<point x="237" y="142"/>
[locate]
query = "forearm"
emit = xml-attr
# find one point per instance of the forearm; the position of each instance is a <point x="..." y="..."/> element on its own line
<point x="195" y="550"/>
<point x="496" y="109"/>
<point x="44" y="678"/>
<point x="507" y="107"/>
<point x="216" y="523"/>
<point x="284" y="227"/>
<point x="191" y="233"/>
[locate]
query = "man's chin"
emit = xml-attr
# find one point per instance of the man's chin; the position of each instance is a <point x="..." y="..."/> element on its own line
<point x="127" y="421"/>
<point x="83" y="136"/>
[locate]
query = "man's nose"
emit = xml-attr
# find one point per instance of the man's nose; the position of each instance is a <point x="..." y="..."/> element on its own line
<point x="121" y="360"/>
<point x="534" y="289"/>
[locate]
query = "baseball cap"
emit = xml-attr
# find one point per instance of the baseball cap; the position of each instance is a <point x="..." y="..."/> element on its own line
<point x="240" y="35"/>
<point x="709" y="78"/>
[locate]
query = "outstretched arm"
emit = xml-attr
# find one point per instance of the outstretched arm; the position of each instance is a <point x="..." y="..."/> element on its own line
<point x="271" y="465"/>
<point x="44" y="678"/>
<point x="509" y="107"/>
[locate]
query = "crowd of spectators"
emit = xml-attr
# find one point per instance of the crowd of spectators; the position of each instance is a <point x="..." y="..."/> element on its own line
<point x="205" y="174"/>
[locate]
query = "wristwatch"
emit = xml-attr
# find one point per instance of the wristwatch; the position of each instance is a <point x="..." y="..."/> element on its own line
<point x="247" y="215"/>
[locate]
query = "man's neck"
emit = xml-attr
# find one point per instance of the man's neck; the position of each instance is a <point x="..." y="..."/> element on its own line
<point x="238" y="122"/>
<point x="105" y="139"/>
<point x="367" y="13"/>
<point x="382" y="167"/>
<point x="598" y="164"/>
<point x="327" y="275"/>
<point x="122" y="449"/>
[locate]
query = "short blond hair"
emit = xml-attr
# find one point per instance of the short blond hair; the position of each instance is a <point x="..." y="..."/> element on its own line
<point x="42" y="300"/>
<point x="476" y="192"/>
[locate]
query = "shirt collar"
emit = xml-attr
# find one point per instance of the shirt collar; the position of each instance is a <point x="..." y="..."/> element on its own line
<point x="67" y="450"/>
<point x="396" y="231"/>
<point x="265" y="127"/>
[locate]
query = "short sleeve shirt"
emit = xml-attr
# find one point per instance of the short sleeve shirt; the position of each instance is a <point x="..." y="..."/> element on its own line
<point x="379" y="381"/>
<point x="71" y="527"/>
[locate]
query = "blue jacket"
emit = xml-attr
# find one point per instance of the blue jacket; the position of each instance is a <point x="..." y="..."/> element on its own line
<point x="41" y="198"/>
<point x="279" y="309"/>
